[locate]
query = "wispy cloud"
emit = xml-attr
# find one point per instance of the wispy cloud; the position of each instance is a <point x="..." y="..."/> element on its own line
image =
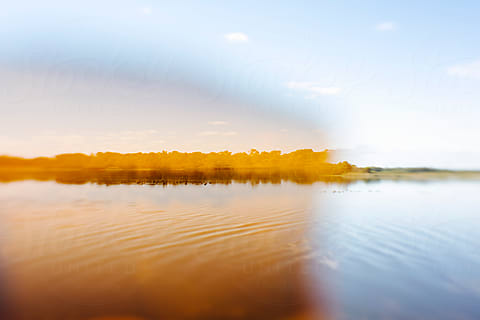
<point x="218" y="123"/>
<point x="236" y="37"/>
<point x="49" y="142"/>
<point x="208" y="133"/>
<point x="217" y="133"/>
<point x="385" y="26"/>
<point x="332" y="264"/>
<point x="314" y="89"/>
<point x="146" y="10"/>
<point x="466" y="70"/>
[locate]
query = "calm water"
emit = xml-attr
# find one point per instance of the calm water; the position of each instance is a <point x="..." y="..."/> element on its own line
<point x="383" y="250"/>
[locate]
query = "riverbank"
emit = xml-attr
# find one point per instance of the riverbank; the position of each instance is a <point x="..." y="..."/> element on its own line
<point x="412" y="174"/>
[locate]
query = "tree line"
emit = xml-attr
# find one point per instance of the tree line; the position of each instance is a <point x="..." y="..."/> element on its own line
<point x="304" y="159"/>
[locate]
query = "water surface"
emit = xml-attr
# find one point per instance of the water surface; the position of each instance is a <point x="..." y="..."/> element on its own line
<point x="396" y="250"/>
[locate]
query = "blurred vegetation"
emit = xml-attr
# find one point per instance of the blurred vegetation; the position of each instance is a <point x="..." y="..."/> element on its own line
<point x="169" y="177"/>
<point x="306" y="159"/>
<point x="164" y="168"/>
<point x="301" y="166"/>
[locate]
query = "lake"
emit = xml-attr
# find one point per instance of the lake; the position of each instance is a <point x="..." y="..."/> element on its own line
<point x="240" y="250"/>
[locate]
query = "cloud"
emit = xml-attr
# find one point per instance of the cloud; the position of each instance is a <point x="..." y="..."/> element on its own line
<point x="208" y="133"/>
<point x="217" y="133"/>
<point x="314" y="89"/>
<point x="332" y="264"/>
<point x="49" y="143"/>
<point x="385" y="26"/>
<point x="146" y="10"/>
<point x="466" y="70"/>
<point x="236" y="37"/>
<point x="218" y="123"/>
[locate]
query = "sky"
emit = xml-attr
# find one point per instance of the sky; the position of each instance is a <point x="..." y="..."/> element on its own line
<point x="385" y="84"/>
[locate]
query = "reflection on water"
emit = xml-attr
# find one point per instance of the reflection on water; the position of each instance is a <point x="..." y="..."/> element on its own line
<point x="181" y="252"/>
<point x="396" y="250"/>
<point x="170" y="177"/>
<point x="401" y="250"/>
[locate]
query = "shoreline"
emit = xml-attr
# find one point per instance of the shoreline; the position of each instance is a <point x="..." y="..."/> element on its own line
<point x="110" y="176"/>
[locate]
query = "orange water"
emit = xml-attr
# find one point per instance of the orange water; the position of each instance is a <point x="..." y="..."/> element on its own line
<point x="365" y="250"/>
<point x="152" y="252"/>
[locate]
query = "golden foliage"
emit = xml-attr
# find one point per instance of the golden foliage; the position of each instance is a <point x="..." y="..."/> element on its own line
<point x="305" y="159"/>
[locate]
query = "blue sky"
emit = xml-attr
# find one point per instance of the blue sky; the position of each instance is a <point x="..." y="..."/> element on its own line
<point x="388" y="84"/>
